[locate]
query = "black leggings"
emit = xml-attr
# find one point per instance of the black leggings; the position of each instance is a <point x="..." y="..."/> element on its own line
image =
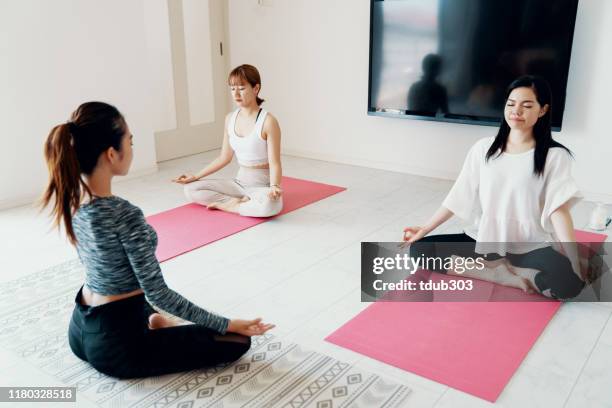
<point x="116" y="340"/>
<point x="556" y="272"/>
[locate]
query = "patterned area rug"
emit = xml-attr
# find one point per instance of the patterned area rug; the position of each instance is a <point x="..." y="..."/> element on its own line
<point x="34" y="315"/>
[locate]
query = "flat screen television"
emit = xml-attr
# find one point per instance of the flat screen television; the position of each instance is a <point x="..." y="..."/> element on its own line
<point x="451" y="60"/>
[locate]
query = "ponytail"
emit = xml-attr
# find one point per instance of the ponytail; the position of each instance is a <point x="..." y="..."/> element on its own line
<point x="65" y="186"/>
<point x="73" y="149"/>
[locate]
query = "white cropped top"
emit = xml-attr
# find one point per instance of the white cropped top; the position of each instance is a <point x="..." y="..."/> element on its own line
<point x="506" y="203"/>
<point x="251" y="149"/>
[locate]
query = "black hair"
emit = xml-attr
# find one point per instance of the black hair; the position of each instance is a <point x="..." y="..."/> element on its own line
<point x="72" y="149"/>
<point x="541" y="130"/>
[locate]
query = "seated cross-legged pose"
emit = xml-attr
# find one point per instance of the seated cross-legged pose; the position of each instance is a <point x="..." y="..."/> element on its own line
<point x="254" y="136"/>
<point x="113" y="326"/>
<point x="517" y="190"/>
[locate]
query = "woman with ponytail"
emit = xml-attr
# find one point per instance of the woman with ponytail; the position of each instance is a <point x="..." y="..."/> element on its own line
<point x="113" y="326"/>
<point x="253" y="135"/>
<point x="516" y="190"/>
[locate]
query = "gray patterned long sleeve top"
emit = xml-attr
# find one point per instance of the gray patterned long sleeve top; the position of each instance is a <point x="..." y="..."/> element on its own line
<point x="117" y="247"/>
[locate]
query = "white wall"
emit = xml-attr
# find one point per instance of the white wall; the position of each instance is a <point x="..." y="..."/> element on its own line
<point x="56" y="55"/>
<point x="313" y="57"/>
<point x="159" y="66"/>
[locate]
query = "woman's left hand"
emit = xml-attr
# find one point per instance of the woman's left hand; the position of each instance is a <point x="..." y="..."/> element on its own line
<point x="275" y="192"/>
<point x="249" y="328"/>
<point x="581" y="268"/>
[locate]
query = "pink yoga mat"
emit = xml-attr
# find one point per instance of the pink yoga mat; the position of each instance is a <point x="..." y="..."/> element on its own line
<point x="474" y="347"/>
<point x="191" y="226"/>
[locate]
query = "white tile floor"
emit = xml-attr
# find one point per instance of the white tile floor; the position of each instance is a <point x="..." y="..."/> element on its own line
<point x="302" y="272"/>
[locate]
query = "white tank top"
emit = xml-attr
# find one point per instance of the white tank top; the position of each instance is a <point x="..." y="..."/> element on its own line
<point x="251" y="149"/>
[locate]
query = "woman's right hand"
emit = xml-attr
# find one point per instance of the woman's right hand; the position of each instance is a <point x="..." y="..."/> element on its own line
<point x="185" y="179"/>
<point x="249" y="328"/>
<point x="412" y="234"/>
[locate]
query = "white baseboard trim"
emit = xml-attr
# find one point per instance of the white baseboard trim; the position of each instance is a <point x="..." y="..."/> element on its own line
<point x="32" y="198"/>
<point x="139" y="173"/>
<point x="395" y="167"/>
<point x="408" y="169"/>
<point x="375" y="164"/>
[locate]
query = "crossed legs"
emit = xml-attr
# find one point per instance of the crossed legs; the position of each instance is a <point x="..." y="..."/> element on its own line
<point x="230" y="196"/>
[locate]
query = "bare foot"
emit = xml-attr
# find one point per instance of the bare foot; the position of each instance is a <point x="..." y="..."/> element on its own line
<point x="497" y="271"/>
<point x="527" y="275"/>
<point x="157" y="321"/>
<point x="505" y="275"/>
<point x="493" y="263"/>
<point x="230" y="205"/>
<point x="521" y="283"/>
<point x="215" y="206"/>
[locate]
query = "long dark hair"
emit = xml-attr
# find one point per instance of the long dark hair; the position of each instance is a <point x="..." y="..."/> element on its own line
<point x="541" y="130"/>
<point x="72" y="149"/>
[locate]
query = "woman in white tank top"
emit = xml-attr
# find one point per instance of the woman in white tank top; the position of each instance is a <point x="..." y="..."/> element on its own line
<point x="253" y="135"/>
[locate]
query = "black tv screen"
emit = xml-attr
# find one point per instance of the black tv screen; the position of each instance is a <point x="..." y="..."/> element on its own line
<point x="451" y="60"/>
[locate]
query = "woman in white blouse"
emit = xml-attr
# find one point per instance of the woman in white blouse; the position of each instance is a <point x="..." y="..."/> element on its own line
<point x="515" y="190"/>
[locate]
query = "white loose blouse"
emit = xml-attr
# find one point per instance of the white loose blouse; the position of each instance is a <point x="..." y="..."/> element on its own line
<point x="505" y="203"/>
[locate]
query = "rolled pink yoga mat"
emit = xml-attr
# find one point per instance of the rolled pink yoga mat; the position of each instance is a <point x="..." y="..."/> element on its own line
<point x="191" y="226"/>
<point x="474" y="347"/>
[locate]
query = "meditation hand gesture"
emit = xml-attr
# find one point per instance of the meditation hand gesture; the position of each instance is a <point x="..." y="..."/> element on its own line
<point x="412" y="234"/>
<point x="249" y="327"/>
<point x="275" y="192"/>
<point x="185" y="179"/>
